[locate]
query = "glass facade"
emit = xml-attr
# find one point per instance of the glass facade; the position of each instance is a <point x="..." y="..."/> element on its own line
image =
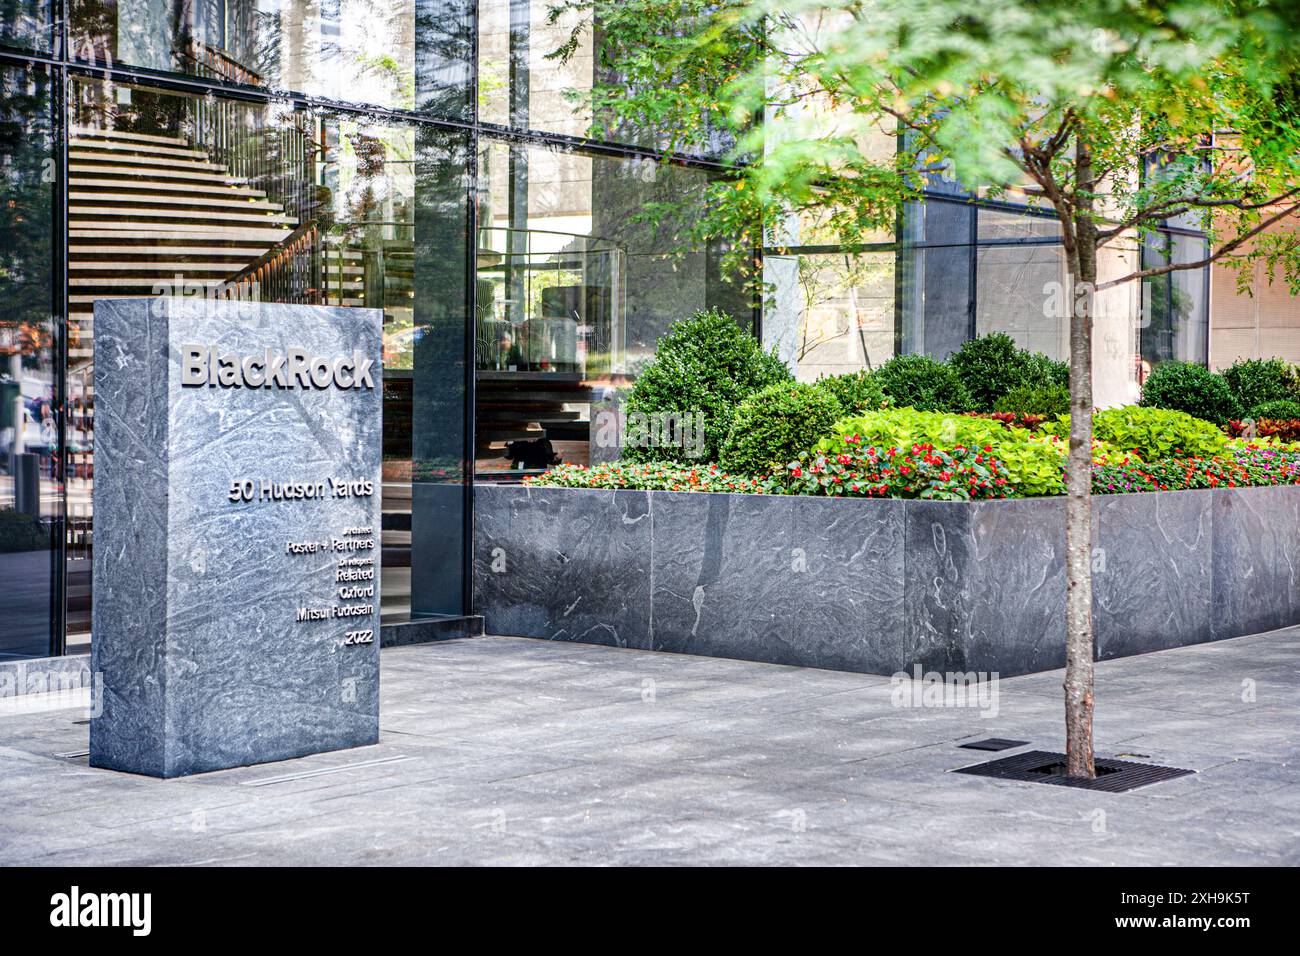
<point x="416" y="156"/>
<point x="31" y="479"/>
<point x="958" y="268"/>
<point x="574" y="287"/>
<point x="437" y="160"/>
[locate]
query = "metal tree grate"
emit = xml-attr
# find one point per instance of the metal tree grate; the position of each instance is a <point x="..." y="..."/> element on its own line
<point x="993" y="743"/>
<point x="1040" y="766"/>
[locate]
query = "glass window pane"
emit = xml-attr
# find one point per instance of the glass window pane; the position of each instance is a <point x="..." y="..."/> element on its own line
<point x="840" y="308"/>
<point x="1013" y="284"/>
<point x="27" y="25"/>
<point x="179" y="194"/>
<point x="1175" y="323"/>
<point x="524" y="82"/>
<point x="576" y="282"/>
<point x="30" y="487"/>
<point x="398" y="54"/>
<point x="1001" y="224"/>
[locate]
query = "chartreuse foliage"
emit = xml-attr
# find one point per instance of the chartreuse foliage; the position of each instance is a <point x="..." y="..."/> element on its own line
<point x="1031" y="464"/>
<point x="1152" y="432"/>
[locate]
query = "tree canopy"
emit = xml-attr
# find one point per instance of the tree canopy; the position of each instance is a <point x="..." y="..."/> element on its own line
<point x="836" y="111"/>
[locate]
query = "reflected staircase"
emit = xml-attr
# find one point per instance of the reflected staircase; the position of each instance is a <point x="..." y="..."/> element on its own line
<point x="146" y="209"/>
<point x="143" y="210"/>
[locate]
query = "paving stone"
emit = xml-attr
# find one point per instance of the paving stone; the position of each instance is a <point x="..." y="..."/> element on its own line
<point x="506" y="751"/>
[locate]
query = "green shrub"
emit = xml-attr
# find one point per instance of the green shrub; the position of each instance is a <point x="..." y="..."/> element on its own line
<point x="1191" y="388"/>
<point x="1036" y="399"/>
<point x="856" y="392"/>
<point x="990" y="367"/>
<point x="1258" y="381"/>
<point x="772" y="426"/>
<point x="1286" y="409"/>
<point x="705" y="365"/>
<point x="1031" y="463"/>
<point x="918" y="381"/>
<point x="1046" y="371"/>
<point x="1151" y="432"/>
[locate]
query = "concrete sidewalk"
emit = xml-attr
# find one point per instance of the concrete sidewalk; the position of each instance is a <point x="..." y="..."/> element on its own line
<point x="511" y="751"/>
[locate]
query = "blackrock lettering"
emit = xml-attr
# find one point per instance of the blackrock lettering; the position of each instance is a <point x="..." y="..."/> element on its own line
<point x="205" y="365"/>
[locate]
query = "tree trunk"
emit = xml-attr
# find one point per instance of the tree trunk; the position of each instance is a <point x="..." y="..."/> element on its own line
<point x="1082" y="266"/>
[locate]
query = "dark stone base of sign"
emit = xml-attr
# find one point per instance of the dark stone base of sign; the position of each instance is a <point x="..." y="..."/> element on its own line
<point x="203" y="662"/>
<point x="880" y="586"/>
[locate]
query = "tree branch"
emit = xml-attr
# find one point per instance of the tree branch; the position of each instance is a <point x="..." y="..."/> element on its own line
<point x="1177" y="207"/>
<point x="1208" y="260"/>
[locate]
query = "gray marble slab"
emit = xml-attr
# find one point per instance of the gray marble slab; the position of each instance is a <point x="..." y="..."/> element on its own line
<point x="203" y="662"/>
<point x="985" y="585"/>
<point x="1151" y="571"/>
<point x="1256" y="555"/>
<point x="563" y="564"/>
<point x="723" y="581"/>
<point x="879" y="586"/>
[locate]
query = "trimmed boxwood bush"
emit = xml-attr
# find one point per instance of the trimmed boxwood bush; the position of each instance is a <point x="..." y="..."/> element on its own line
<point x="1041" y="369"/>
<point x="773" y="425"/>
<point x="990" y="367"/>
<point x="1256" y="382"/>
<point x="856" y="392"/>
<point x="1044" y="399"/>
<point x="918" y="381"/>
<point x="1191" y="388"/>
<point x="1285" y="409"/>
<point x="705" y="364"/>
<point x="993" y="366"/>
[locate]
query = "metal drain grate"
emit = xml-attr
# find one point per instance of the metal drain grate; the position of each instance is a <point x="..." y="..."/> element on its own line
<point x="1040" y="766"/>
<point x="993" y="743"/>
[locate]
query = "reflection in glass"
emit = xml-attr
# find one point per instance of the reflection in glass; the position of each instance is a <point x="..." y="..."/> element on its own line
<point x="202" y="196"/>
<point x="397" y="54"/>
<point x="27" y="25"/>
<point x="1175" y="323"/>
<point x="30" y="487"/>
<point x="845" y="304"/>
<point x="576" y="282"/>
<point x="537" y="66"/>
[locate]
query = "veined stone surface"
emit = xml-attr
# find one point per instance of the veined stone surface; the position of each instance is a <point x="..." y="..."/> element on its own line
<point x="202" y="660"/>
<point x="880" y="586"/>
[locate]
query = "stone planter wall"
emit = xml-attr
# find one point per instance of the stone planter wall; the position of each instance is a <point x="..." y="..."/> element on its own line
<point x="878" y="586"/>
